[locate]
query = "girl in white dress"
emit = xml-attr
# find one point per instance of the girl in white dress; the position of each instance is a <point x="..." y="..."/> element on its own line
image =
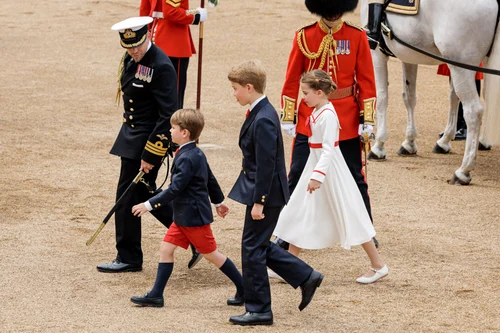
<point x="326" y="207"/>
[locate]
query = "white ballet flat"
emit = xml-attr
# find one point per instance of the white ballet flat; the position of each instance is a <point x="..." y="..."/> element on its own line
<point x="379" y="273"/>
<point x="273" y="275"/>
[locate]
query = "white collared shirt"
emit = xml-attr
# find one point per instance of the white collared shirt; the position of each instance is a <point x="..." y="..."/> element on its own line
<point x="256" y="102"/>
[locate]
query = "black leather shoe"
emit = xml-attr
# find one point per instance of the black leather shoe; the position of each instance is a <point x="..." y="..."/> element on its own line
<point x="253" y="318"/>
<point x="156" y="302"/>
<point x="237" y="300"/>
<point x="461" y="134"/>
<point x="116" y="266"/>
<point x="195" y="258"/>
<point x="308" y="288"/>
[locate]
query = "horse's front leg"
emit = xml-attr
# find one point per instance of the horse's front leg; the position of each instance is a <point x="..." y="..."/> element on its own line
<point x="443" y="145"/>
<point x="378" y="151"/>
<point x="409" y="146"/>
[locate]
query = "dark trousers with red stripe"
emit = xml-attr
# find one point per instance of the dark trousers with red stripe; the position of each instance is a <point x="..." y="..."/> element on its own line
<point x="181" y="67"/>
<point x="351" y="150"/>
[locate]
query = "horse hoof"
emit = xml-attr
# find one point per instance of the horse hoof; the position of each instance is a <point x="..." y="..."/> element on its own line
<point x="438" y="150"/>
<point x="404" y="152"/>
<point x="457" y="181"/>
<point x="375" y="157"/>
<point x="483" y="147"/>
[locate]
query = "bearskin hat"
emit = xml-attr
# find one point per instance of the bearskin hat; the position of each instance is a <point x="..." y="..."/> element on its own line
<point x="331" y="8"/>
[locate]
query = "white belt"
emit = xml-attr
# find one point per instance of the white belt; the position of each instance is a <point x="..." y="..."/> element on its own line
<point x="157" y="14"/>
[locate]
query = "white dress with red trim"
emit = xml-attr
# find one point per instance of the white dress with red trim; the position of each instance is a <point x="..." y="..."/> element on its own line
<point x="335" y="213"/>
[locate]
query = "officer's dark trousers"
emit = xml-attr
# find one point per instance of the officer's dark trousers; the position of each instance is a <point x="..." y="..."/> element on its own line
<point x="257" y="252"/>
<point x="351" y="150"/>
<point x="181" y="67"/>
<point x="127" y="226"/>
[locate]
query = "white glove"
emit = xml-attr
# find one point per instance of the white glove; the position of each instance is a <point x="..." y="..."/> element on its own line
<point x="368" y="129"/>
<point x="213" y="3"/>
<point x="203" y="14"/>
<point x="289" y="129"/>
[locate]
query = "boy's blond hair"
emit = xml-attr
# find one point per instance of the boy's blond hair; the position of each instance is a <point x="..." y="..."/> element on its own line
<point x="190" y="120"/>
<point x="249" y="72"/>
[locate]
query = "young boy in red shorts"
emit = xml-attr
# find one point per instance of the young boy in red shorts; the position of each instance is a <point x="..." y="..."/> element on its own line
<point x="192" y="185"/>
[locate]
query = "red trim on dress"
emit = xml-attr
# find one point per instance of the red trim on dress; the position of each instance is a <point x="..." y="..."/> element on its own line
<point x="321" y="172"/>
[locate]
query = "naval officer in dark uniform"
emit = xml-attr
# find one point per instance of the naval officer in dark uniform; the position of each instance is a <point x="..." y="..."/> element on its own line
<point x="149" y="89"/>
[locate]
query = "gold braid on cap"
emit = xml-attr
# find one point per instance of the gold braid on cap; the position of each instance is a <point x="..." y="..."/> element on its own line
<point x="327" y="48"/>
<point x="121" y="68"/>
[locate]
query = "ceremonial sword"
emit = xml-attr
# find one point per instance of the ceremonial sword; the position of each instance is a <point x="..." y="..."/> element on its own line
<point x="129" y="188"/>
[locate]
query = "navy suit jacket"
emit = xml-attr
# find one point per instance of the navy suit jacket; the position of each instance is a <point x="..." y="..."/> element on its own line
<point x="263" y="174"/>
<point x="192" y="184"/>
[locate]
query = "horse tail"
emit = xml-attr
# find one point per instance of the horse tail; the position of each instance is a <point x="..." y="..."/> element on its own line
<point x="490" y="134"/>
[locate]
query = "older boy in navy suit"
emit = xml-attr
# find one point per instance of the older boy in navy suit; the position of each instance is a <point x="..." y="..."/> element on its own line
<point x="192" y="184"/>
<point x="262" y="187"/>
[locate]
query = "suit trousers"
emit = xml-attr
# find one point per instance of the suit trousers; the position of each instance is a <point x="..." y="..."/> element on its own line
<point x="351" y="150"/>
<point x="181" y="67"/>
<point x="128" y="226"/>
<point x="257" y="252"/>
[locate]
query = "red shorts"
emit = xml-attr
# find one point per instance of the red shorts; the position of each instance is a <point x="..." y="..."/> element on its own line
<point x="201" y="237"/>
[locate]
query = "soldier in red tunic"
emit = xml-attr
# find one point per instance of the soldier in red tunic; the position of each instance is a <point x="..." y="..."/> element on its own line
<point x="170" y="32"/>
<point x="341" y="49"/>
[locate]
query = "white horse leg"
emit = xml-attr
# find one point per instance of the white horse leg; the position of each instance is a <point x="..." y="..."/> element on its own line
<point x="378" y="151"/>
<point x="409" y="147"/>
<point x="443" y="145"/>
<point x="463" y="81"/>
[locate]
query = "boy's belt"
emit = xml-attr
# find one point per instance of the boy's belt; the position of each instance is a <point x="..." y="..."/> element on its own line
<point x="343" y="93"/>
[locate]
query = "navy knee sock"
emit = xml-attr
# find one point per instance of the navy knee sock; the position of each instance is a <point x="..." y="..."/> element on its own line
<point x="162" y="276"/>
<point x="230" y="270"/>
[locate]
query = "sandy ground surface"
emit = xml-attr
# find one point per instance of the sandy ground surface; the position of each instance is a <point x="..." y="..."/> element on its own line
<point x="58" y="121"/>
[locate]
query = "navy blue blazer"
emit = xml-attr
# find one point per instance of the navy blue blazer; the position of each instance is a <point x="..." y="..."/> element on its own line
<point x="263" y="174"/>
<point x="192" y="184"/>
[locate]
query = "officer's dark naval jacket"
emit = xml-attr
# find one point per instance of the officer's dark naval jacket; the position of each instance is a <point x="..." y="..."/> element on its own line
<point x="149" y="91"/>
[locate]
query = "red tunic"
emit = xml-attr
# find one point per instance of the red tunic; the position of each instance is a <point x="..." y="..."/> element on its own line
<point x="170" y="33"/>
<point x="443" y="69"/>
<point x="354" y="67"/>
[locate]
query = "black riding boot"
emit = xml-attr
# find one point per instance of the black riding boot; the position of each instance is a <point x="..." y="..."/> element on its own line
<point x="375" y="11"/>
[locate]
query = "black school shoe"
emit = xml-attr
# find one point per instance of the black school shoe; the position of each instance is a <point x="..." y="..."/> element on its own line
<point x="252" y="319"/>
<point x="237" y="300"/>
<point x="156" y="302"/>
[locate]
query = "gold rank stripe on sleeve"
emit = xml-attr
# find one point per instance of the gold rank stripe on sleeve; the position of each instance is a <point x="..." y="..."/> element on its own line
<point x="369" y="111"/>
<point x="288" y="113"/>
<point x="156" y="148"/>
<point x="173" y="3"/>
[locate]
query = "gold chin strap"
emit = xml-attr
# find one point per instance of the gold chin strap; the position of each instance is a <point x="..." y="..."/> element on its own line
<point x="121" y="68"/>
<point x="327" y="48"/>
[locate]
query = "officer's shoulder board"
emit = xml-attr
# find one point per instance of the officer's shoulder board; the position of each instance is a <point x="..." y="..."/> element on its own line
<point x="307" y="26"/>
<point x="354" y="25"/>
